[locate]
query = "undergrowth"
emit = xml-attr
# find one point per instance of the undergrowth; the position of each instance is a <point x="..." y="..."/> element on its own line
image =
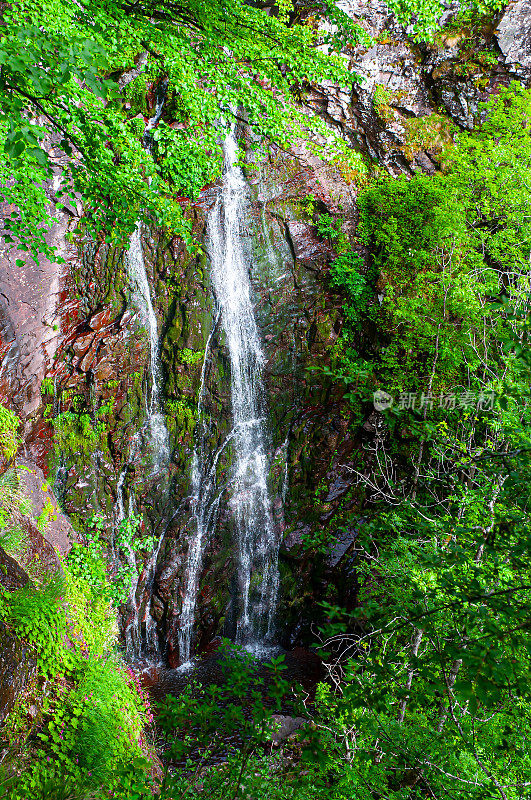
<point x="89" y="715"/>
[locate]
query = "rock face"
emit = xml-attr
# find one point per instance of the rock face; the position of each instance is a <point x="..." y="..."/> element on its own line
<point x="514" y="33"/>
<point x="16" y="669"/>
<point x="28" y="323"/>
<point x="57" y="530"/>
<point x="30" y="298"/>
<point x="12" y="574"/>
<point x="80" y="328"/>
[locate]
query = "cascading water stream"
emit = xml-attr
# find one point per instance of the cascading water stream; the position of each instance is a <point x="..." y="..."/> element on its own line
<point x="131" y="632"/>
<point x="255" y="533"/>
<point x="205" y="504"/>
<point x="158" y="433"/>
<point x="156" y="424"/>
<point x="136" y="269"/>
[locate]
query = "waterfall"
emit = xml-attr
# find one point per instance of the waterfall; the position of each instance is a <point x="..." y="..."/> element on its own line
<point x="158" y="433"/>
<point x="155" y="424"/>
<point x="158" y="436"/>
<point x="131" y="632"/>
<point x="250" y="504"/>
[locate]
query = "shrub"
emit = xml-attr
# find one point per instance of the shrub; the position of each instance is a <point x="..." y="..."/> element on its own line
<point x="9" y="439"/>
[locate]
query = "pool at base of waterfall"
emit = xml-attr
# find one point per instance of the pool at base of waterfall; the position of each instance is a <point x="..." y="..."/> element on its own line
<point x="302" y="666"/>
<point x="210" y="676"/>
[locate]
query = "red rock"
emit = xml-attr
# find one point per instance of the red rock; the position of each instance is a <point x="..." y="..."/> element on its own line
<point x="102" y="319"/>
<point x="58" y="533"/>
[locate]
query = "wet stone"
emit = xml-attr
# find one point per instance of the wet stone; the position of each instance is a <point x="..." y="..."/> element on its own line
<point x="16" y="669"/>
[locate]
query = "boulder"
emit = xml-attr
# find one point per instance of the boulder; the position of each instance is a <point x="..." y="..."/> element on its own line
<point x="514" y="33"/>
<point x="12" y="574"/>
<point x="56" y="530"/>
<point x="285" y="727"/>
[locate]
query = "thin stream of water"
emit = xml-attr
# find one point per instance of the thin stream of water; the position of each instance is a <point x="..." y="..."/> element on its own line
<point x="156" y="424"/>
<point x="255" y="533"/>
<point x="158" y="433"/>
<point x="206" y="504"/>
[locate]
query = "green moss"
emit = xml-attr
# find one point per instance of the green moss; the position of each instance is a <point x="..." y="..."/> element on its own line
<point x="181" y="416"/>
<point x="47" y="386"/>
<point x="381" y="101"/>
<point x="191" y="357"/>
<point x="433" y="132"/>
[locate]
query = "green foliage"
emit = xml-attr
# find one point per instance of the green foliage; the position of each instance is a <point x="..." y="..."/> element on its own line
<point x="182" y="415"/>
<point x="61" y="617"/>
<point x="59" y="78"/>
<point x="188" y="163"/>
<point x="203" y="723"/>
<point x="348" y="275"/>
<point x="91" y="714"/>
<point x="433" y="133"/>
<point x="9" y="440"/>
<point x="16" y="512"/>
<point x="86" y="562"/>
<point x="424" y="15"/>
<point x="127" y="534"/>
<point x="88" y="728"/>
<point x="47" y="386"/>
<point x="40" y="616"/>
<point x="345" y="275"/>
<point x="89" y="562"/>
<point x="191" y="357"/>
<point x="46" y="514"/>
<point x="328" y="227"/>
<point x="108" y="716"/>
<point x="440" y="250"/>
<point x="77" y="434"/>
<point x="381" y="100"/>
<point x="429" y="690"/>
<point x="430" y="674"/>
<point x="13" y="505"/>
<point x="439" y="685"/>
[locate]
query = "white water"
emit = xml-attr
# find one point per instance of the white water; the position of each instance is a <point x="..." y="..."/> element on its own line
<point x="156" y="424"/>
<point x="158" y="433"/>
<point x="131" y="632"/>
<point x="205" y="505"/>
<point x="250" y="504"/>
